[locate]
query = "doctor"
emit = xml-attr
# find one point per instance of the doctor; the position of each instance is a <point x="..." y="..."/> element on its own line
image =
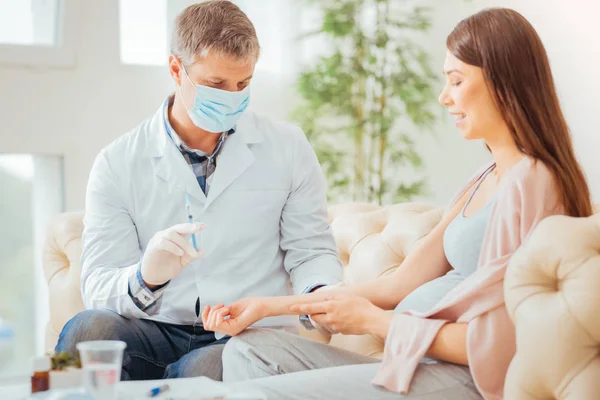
<point x="255" y="185"/>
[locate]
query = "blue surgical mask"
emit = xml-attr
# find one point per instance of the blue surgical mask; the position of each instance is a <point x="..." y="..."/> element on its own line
<point x="216" y="110"/>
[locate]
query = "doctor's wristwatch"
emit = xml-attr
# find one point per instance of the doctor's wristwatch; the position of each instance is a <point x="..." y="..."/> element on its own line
<point x="305" y="319"/>
<point x="306" y="322"/>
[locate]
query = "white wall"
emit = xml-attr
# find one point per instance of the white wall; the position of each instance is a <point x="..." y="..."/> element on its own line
<point x="76" y="111"/>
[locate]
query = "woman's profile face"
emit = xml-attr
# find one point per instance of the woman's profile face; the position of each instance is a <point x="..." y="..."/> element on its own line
<point x="468" y="99"/>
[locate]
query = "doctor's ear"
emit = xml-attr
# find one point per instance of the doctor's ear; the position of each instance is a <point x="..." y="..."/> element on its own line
<point x="176" y="69"/>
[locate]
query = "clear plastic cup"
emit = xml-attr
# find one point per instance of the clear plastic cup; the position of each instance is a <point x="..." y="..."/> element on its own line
<point x="101" y="362"/>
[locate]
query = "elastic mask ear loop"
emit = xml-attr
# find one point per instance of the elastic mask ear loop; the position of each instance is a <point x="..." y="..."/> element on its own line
<point x="179" y="87"/>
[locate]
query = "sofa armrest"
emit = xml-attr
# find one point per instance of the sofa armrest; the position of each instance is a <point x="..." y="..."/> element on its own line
<point x="552" y="291"/>
<point x="62" y="269"/>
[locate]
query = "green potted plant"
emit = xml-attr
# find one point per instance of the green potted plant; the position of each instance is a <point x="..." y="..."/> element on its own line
<point x="65" y="370"/>
<point x="364" y="103"/>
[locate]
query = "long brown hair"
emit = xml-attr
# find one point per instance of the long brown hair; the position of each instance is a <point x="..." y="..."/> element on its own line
<point x="517" y="71"/>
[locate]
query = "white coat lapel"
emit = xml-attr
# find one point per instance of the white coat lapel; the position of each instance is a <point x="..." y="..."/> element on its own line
<point x="236" y="157"/>
<point x="167" y="161"/>
<point x="177" y="173"/>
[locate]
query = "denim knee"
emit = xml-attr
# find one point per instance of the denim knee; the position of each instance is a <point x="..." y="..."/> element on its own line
<point x="90" y="325"/>
<point x="205" y="361"/>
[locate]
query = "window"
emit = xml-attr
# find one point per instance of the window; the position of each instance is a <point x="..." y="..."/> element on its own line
<point x="40" y="33"/>
<point x="144" y="36"/>
<point x="143" y="32"/>
<point x="30" y="195"/>
<point x="29" y="22"/>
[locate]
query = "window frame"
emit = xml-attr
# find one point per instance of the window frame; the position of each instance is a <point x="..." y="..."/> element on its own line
<point x="61" y="55"/>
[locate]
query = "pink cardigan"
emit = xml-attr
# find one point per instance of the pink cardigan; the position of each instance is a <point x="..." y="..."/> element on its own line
<point x="526" y="195"/>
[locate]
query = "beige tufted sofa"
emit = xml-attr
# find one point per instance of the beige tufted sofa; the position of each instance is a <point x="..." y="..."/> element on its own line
<point x="552" y="289"/>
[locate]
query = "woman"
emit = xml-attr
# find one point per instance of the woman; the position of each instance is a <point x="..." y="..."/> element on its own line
<point x="499" y="89"/>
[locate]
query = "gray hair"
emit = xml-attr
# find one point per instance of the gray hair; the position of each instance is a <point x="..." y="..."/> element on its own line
<point x="214" y="25"/>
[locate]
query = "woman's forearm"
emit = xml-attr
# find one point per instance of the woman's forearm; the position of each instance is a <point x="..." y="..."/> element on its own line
<point x="450" y="344"/>
<point x="425" y="262"/>
<point x="389" y="290"/>
<point x="280" y="305"/>
<point x="379" y="325"/>
<point x="385" y="292"/>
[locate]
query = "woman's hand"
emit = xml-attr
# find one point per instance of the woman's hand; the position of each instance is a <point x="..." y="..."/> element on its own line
<point x="347" y="314"/>
<point x="236" y="317"/>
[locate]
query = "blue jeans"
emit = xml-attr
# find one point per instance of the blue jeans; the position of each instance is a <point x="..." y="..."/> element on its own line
<point x="154" y="350"/>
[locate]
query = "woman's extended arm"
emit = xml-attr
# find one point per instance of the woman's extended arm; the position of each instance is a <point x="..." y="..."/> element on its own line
<point x="425" y="263"/>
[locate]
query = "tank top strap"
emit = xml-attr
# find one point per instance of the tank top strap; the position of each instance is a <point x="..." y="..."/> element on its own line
<point x="485" y="173"/>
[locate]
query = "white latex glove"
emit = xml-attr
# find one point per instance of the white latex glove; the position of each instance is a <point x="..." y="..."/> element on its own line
<point x="168" y="253"/>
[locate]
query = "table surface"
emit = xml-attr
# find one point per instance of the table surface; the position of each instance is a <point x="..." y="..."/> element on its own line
<point x="184" y="388"/>
<point x="15" y="388"/>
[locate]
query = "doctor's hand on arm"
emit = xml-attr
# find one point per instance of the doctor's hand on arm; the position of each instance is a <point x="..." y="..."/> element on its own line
<point x="168" y="253"/>
<point x="343" y="313"/>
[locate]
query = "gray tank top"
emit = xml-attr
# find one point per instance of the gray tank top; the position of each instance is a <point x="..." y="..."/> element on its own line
<point x="463" y="239"/>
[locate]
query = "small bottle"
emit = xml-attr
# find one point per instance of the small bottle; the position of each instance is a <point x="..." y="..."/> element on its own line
<point x="40" y="379"/>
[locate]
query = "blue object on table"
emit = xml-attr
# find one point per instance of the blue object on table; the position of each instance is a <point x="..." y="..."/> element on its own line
<point x="158" y="390"/>
<point x="190" y="219"/>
